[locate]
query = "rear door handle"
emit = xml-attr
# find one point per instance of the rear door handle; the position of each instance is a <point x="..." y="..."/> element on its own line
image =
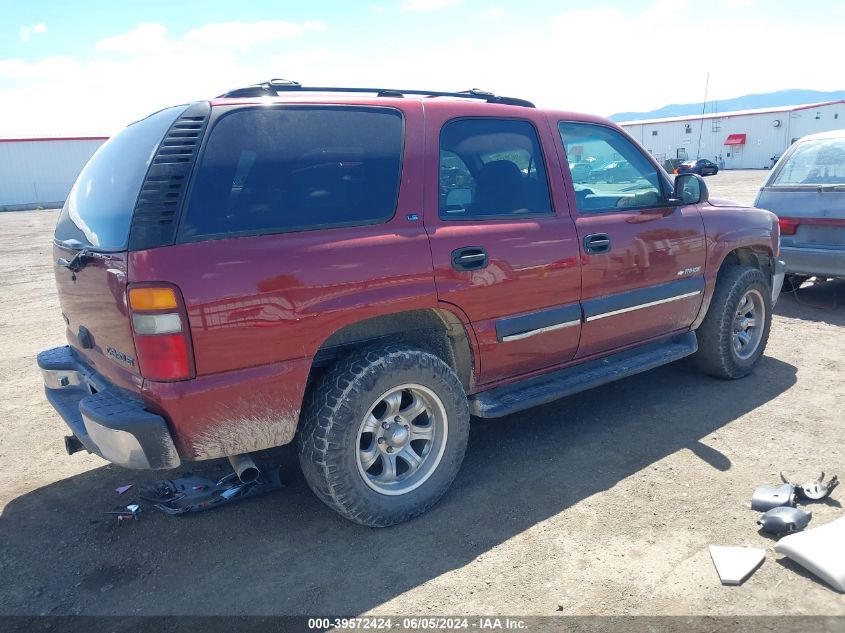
<point x="597" y="243"/>
<point x="469" y="258"/>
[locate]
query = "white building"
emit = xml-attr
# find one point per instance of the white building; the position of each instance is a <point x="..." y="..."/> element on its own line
<point x="744" y="139"/>
<point x="39" y="172"/>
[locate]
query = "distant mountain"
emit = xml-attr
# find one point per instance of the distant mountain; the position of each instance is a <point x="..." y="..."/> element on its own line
<point x="748" y="102"/>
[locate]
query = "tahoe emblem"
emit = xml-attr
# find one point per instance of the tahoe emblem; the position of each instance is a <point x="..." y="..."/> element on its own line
<point x="118" y="355"/>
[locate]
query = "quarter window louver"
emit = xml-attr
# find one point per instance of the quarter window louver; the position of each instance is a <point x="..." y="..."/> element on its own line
<point x="157" y="209"/>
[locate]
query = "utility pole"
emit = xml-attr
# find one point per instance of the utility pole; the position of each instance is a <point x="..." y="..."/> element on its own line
<point x="701" y="122"/>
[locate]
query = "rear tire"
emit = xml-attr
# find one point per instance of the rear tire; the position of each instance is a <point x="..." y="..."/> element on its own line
<point x="383" y="434"/>
<point x="734" y="333"/>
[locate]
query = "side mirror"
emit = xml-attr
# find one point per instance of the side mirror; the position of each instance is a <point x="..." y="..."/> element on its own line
<point x="690" y="189"/>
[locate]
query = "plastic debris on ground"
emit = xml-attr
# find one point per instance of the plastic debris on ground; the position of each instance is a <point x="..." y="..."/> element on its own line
<point x="768" y="497"/>
<point x="123" y="489"/>
<point x="192" y="493"/>
<point x="820" y="551"/>
<point x="784" y="520"/>
<point x="815" y="490"/>
<point x="129" y="513"/>
<point x="735" y="564"/>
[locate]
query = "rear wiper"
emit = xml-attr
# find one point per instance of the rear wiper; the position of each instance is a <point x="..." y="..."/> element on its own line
<point x="78" y="261"/>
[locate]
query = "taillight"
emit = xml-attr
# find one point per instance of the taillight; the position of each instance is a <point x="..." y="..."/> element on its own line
<point x="160" y="329"/>
<point x="788" y="226"/>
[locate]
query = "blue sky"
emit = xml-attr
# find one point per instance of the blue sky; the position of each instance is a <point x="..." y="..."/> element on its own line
<point x="107" y="63"/>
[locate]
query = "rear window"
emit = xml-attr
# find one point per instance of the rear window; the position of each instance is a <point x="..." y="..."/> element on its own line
<point x="272" y="170"/>
<point x="98" y="209"/>
<point x="820" y="162"/>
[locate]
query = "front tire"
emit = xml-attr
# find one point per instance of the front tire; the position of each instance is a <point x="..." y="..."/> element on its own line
<point x="383" y="434"/>
<point x="735" y="330"/>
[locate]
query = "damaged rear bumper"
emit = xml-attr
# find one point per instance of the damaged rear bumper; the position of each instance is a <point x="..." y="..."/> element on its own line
<point x="107" y="420"/>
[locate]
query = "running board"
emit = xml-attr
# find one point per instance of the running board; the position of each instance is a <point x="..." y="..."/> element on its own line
<point x="531" y="392"/>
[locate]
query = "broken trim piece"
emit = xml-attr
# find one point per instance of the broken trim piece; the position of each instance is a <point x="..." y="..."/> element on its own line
<point x="784" y="520"/>
<point x="735" y="564"/>
<point x="191" y="493"/>
<point x="815" y="490"/>
<point x="820" y="551"/>
<point x="768" y="497"/>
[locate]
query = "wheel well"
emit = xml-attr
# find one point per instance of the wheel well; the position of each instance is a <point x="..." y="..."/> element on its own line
<point x="760" y="259"/>
<point x="438" y="332"/>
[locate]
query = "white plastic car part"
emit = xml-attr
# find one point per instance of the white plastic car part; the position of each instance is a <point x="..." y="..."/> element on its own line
<point x="735" y="564"/>
<point x="821" y="550"/>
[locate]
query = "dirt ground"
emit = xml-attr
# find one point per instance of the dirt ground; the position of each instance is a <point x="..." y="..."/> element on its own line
<point x="604" y="502"/>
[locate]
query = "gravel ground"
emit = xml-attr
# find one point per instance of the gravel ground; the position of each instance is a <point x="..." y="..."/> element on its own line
<point x="741" y="185"/>
<point x="604" y="502"/>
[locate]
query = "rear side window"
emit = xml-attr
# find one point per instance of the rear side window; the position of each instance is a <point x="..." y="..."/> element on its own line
<point x="820" y="162"/>
<point x="491" y="168"/>
<point x="98" y="209"/>
<point x="272" y="170"/>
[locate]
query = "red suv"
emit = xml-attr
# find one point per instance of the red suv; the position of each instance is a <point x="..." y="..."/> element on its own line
<point x="362" y="270"/>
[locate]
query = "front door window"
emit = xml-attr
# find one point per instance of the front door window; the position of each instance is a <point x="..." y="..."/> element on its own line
<point x="607" y="171"/>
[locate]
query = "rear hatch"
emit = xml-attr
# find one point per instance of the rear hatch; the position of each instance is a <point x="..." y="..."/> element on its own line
<point x="90" y="247"/>
<point x="807" y="192"/>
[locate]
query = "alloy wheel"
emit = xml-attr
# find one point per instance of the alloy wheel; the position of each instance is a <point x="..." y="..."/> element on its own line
<point x="401" y="439"/>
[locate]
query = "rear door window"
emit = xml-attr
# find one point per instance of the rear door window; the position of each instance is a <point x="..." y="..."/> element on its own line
<point x="820" y="162"/>
<point x="98" y="210"/>
<point x="491" y="168"/>
<point x="273" y="170"/>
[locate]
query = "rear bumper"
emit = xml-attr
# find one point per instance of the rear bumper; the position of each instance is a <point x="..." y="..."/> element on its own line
<point x="107" y="420"/>
<point x="777" y="279"/>
<point x="814" y="261"/>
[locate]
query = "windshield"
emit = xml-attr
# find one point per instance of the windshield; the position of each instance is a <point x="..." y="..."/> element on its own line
<point x="820" y="162"/>
<point x="98" y="209"/>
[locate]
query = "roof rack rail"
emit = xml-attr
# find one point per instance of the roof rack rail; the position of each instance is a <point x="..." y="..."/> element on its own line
<point x="273" y="87"/>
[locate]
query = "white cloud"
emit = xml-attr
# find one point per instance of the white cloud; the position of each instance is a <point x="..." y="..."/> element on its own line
<point x="621" y="63"/>
<point x="428" y="5"/>
<point x="26" y="32"/>
<point x="663" y="11"/>
<point x="245" y="35"/>
<point x="737" y="3"/>
<point x="152" y="37"/>
<point x="493" y="12"/>
<point x="295" y="64"/>
<point x="629" y="76"/>
<point x="146" y="38"/>
<point x="212" y="56"/>
<point x="36" y="72"/>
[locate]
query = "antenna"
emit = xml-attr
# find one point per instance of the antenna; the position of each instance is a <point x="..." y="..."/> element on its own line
<point x="701" y="122"/>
